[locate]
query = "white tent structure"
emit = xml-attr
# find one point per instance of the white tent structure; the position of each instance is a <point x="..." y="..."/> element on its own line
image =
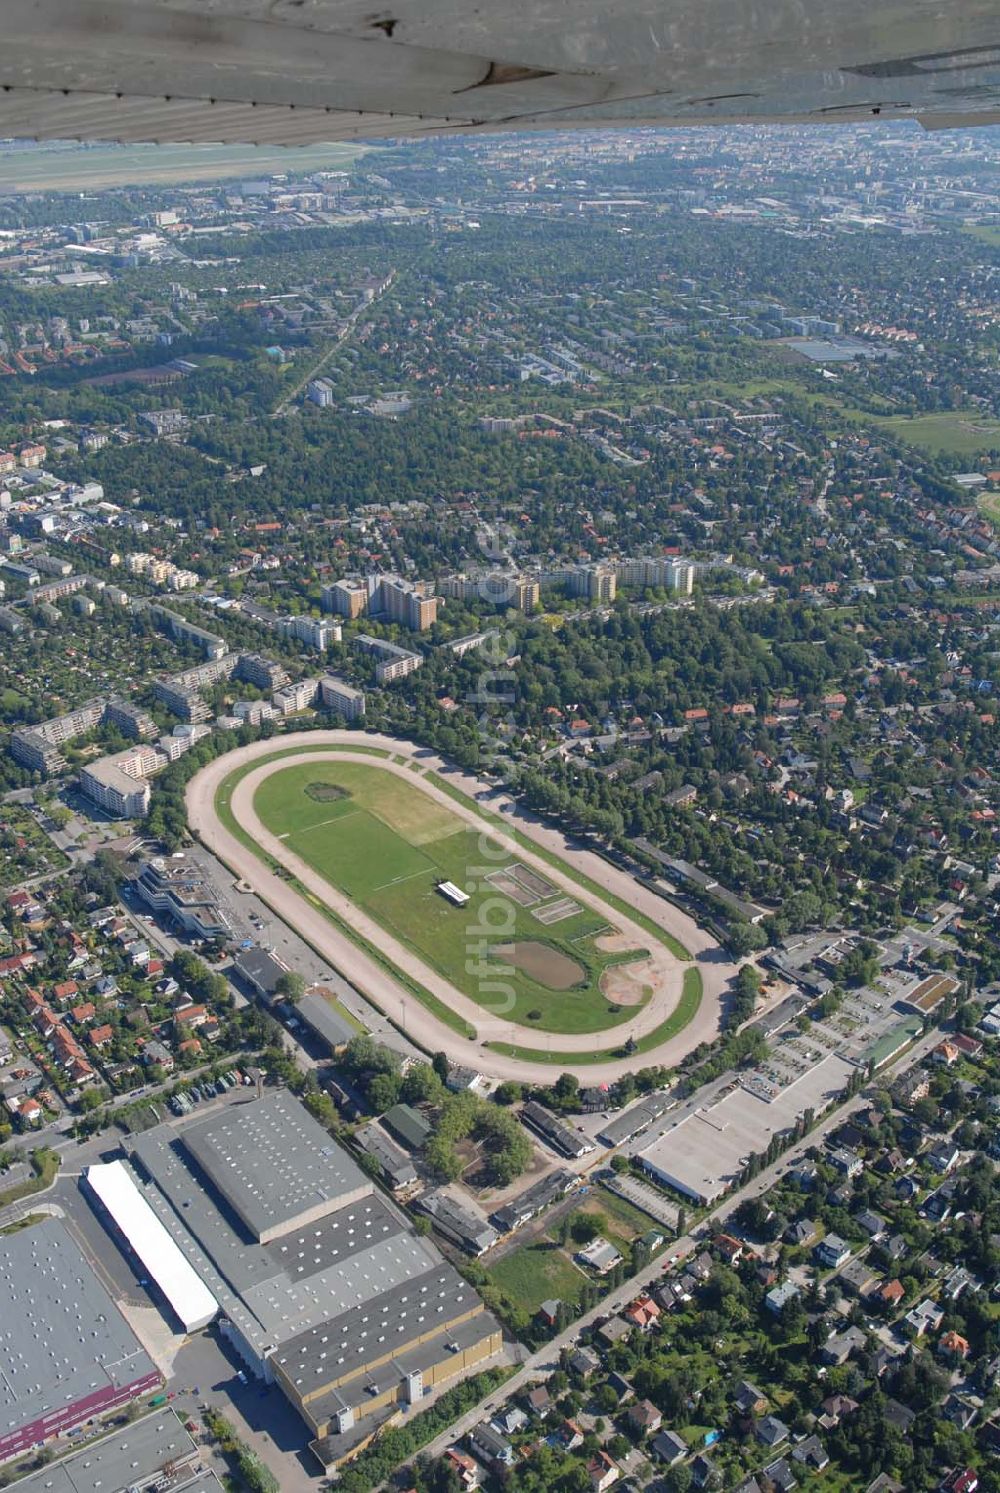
<point x="191" y="1300"/>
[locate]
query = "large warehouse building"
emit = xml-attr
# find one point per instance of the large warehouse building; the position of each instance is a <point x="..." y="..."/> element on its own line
<point x="153" y="1455"/>
<point x="321" y="1284"/>
<point x="66" y="1352"/>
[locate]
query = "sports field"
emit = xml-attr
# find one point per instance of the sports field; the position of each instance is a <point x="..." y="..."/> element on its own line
<point x="387" y="845"/>
<point x="956" y="433"/>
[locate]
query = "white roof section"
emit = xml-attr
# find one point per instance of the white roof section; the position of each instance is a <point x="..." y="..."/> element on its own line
<point x="187" y="1293"/>
<point x="453" y="893"/>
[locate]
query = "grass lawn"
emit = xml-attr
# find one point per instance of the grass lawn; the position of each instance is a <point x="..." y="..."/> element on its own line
<point x="662" y="936"/>
<point x="947" y="433"/>
<point x="538" y="1272"/>
<point x="226" y="816"/>
<point x="630" y="1219"/>
<point x="676" y="1022"/>
<point x="986" y="234"/>
<point x="45" y="1165"/>
<point x="618" y="1220"/>
<point x="70" y="168"/>
<point x="387" y="846"/>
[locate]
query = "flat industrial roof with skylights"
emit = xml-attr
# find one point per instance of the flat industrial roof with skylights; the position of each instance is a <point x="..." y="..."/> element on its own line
<point x="321" y="1282"/>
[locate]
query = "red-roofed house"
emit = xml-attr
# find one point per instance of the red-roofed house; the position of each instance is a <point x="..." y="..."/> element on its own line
<point x="16" y="964"/>
<point x="29" y="1111"/>
<point x="465" y="1466"/>
<point x="962" y="1480"/>
<point x="729" y="1248"/>
<point x="80" y="1071"/>
<point x="643" y="1312"/>
<point x="44" y="1021"/>
<point x="192" y="1016"/>
<point x="892" y="1292"/>
<point x="603" y="1471"/>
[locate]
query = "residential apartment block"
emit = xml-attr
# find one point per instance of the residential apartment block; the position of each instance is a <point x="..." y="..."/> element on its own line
<point x="37" y="747"/>
<point x="393" y="662"/>
<point x="388" y="596"/>
<point x="336" y="694"/>
<point x="183" y="631"/>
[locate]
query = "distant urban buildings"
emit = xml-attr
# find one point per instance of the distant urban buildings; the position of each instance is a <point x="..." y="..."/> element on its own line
<point x="37" y="747"/>
<point x="342" y="698"/>
<point x="597" y="582"/>
<point x="161" y="572"/>
<point x="118" y="783"/>
<point x="319" y="391"/>
<point x="314" y="632"/>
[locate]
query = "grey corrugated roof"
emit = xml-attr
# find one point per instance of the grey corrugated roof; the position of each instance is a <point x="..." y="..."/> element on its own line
<point x="273" y="1162"/>
<point x="61" y="1335"/>
<point x="391" y="1158"/>
<point x="408" y="1125"/>
<point x="317" y="1012"/>
<point x="259" y="967"/>
<point x="417" y="1359"/>
<point x="377" y="1328"/>
<point x="634" y="1119"/>
<point x="304" y="1277"/>
<point x="131" y="1455"/>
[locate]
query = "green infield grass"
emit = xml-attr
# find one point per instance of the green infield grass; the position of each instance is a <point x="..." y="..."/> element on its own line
<point x="387" y="845"/>
<point x="684" y="1012"/>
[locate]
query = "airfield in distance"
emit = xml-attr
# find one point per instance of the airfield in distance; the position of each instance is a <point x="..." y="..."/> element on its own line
<point x="505" y="945"/>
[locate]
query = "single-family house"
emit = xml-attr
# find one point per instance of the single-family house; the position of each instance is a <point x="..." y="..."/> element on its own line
<point x="603" y="1471"/>
<point x="770" y="1431"/>
<point x="669" y="1447"/>
<point x="832" y="1251"/>
<point x="644" y="1416"/>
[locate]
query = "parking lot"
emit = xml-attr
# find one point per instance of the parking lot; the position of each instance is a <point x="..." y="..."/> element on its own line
<point x="703" y="1145"/>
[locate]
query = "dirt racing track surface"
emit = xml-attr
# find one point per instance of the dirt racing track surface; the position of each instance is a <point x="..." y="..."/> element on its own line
<point x="662" y="972"/>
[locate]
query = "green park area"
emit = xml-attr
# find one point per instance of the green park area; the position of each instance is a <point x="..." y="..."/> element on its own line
<point x="945" y="433"/>
<point x="544" y="1268"/>
<point x="385" y="843"/>
<point x="683" y="1013"/>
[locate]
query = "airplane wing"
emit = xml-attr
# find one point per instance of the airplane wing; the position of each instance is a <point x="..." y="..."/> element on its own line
<point x="300" y="71"/>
